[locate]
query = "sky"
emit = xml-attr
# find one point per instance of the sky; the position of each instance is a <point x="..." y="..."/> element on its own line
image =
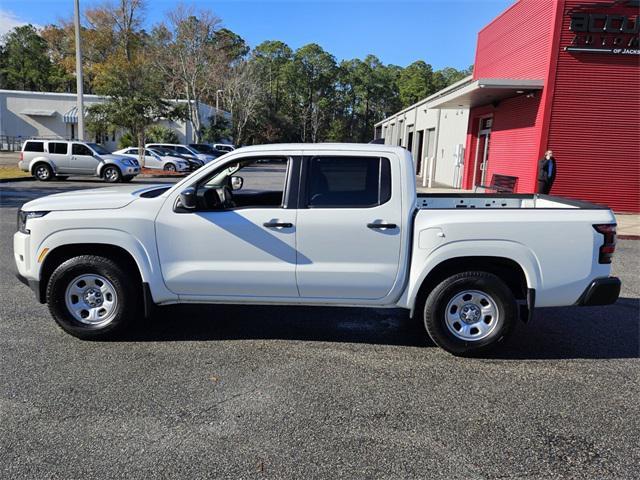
<point x="440" y="32"/>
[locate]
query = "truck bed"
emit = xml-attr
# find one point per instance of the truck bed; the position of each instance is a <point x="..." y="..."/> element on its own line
<point x="504" y="201"/>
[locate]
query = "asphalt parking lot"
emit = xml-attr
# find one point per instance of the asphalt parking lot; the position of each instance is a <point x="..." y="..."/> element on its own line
<point x="268" y="392"/>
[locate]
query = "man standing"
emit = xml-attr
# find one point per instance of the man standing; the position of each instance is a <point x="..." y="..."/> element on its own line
<point x="546" y="172"/>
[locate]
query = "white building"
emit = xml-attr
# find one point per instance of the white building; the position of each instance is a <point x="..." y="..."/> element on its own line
<point x="55" y="115"/>
<point x="435" y="137"/>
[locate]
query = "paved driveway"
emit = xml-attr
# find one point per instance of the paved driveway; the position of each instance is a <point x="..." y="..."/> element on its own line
<point x="257" y="392"/>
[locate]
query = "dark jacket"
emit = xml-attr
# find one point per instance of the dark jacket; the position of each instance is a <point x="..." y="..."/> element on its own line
<point x="547" y="170"/>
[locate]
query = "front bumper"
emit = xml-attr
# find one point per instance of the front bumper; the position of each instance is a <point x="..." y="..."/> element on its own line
<point x="131" y="171"/>
<point x="34" y="285"/>
<point x="602" y="291"/>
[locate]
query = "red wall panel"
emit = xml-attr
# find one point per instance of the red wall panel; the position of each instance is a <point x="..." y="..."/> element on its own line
<point x="594" y="126"/>
<point x="516" y="44"/>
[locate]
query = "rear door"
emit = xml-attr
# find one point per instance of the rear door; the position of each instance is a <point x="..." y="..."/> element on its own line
<point x="59" y="156"/>
<point x="349" y="227"/>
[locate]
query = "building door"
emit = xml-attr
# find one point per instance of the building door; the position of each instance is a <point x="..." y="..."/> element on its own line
<point x="419" y="153"/>
<point x="410" y="141"/>
<point x="482" y="152"/>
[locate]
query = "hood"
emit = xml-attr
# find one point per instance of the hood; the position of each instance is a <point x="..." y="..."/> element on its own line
<point x="93" y="199"/>
<point x="114" y="157"/>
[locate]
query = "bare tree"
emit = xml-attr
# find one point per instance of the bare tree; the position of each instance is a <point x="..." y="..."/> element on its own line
<point x="186" y="51"/>
<point x="242" y="96"/>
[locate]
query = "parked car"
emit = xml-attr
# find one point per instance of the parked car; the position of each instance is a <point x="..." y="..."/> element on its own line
<point x="206" y="149"/>
<point x="183" y="150"/>
<point x="156" y="160"/>
<point x="223" y="147"/>
<point x="47" y="159"/>
<point x="332" y="225"/>
<point x="193" y="161"/>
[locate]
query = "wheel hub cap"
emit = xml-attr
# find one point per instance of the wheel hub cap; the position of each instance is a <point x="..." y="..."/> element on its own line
<point x="92" y="299"/>
<point x="471" y="315"/>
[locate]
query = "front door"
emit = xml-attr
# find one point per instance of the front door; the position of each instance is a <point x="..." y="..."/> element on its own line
<point x="349" y="228"/>
<point x="244" y="247"/>
<point x="482" y="152"/>
<point x="83" y="160"/>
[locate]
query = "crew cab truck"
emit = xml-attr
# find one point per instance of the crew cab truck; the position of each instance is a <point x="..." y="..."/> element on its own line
<point x="314" y="224"/>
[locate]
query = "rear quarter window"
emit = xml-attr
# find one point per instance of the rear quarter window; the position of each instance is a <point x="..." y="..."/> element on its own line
<point x="33" y="147"/>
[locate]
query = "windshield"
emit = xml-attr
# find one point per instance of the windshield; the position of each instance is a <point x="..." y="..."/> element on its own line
<point x="161" y="151"/>
<point x="202" y="147"/>
<point x="99" y="149"/>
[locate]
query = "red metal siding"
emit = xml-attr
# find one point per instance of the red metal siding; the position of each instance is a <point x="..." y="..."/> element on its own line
<point x="514" y="140"/>
<point x="594" y="127"/>
<point x="517" y="43"/>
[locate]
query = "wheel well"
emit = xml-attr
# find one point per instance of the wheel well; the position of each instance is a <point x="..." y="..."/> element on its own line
<point x="63" y="253"/>
<point x="508" y="270"/>
<point x="35" y="164"/>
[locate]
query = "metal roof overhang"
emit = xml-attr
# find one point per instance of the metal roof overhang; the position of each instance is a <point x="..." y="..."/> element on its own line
<point x="35" y="112"/>
<point x="485" y="91"/>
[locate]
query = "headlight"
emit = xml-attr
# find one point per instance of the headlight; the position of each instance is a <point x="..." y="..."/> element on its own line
<point x="24" y="216"/>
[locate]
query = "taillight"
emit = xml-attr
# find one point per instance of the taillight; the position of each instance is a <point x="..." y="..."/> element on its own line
<point x="21" y="156"/>
<point x="609" y="245"/>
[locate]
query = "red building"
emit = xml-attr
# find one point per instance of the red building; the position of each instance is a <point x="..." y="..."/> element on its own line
<point x="562" y="75"/>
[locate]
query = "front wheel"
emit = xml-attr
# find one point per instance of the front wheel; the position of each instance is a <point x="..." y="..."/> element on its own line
<point x="112" y="174"/>
<point x="470" y="313"/>
<point x="88" y="297"/>
<point x="170" y="167"/>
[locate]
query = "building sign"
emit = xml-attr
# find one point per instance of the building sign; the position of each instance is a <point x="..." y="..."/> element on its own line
<point x="606" y="28"/>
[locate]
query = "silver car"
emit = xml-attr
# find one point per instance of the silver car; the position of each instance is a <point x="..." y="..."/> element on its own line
<point x="46" y="159"/>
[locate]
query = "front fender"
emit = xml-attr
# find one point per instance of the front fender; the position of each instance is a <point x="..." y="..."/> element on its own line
<point x="423" y="262"/>
<point x="146" y="261"/>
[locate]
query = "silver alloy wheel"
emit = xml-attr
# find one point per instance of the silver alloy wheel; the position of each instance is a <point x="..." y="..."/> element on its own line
<point x="471" y="315"/>
<point x="91" y="299"/>
<point x="111" y="174"/>
<point x="42" y="172"/>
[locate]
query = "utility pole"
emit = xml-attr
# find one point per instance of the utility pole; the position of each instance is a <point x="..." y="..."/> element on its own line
<point x="80" y="101"/>
<point x="215" y="119"/>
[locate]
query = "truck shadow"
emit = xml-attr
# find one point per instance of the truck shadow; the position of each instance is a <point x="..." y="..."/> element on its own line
<point x="560" y="333"/>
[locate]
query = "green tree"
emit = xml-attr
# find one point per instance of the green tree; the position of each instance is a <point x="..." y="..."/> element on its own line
<point x="24" y="62"/>
<point x="415" y="83"/>
<point x="161" y="134"/>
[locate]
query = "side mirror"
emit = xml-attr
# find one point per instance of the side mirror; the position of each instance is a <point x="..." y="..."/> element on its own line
<point x="188" y="198"/>
<point x="236" y="183"/>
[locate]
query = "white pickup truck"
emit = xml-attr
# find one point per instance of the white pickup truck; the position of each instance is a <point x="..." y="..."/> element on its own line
<point x="314" y="224"/>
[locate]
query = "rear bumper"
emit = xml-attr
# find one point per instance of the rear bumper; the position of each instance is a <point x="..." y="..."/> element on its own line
<point x="602" y="291"/>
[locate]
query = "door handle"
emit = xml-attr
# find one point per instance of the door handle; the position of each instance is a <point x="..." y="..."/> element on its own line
<point x="381" y="225"/>
<point x="278" y="224"/>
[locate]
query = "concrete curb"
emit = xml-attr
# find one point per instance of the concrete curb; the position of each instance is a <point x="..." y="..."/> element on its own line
<point x="17" y="179"/>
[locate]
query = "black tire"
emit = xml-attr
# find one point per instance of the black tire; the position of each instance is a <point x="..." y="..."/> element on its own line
<point x="127" y="300"/>
<point x="170" y="167"/>
<point x="454" y="287"/>
<point x="42" y="172"/>
<point x="112" y="174"/>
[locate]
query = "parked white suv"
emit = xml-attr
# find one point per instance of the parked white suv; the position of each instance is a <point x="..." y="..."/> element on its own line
<point x="183" y="150"/>
<point x="46" y="159"/>
<point x="157" y="160"/>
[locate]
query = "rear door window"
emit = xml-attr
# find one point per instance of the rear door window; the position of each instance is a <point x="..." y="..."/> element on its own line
<point x="348" y="182"/>
<point x="58" y="147"/>
<point x="33" y="147"/>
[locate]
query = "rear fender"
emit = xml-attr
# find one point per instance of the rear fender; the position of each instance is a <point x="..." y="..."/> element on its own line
<point x="423" y="262"/>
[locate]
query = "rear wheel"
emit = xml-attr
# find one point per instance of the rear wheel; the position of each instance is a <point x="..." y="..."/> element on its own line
<point x="88" y="299"/>
<point x="470" y="313"/>
<point x="43" y="172"/>
<point x="112" y="174"/>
